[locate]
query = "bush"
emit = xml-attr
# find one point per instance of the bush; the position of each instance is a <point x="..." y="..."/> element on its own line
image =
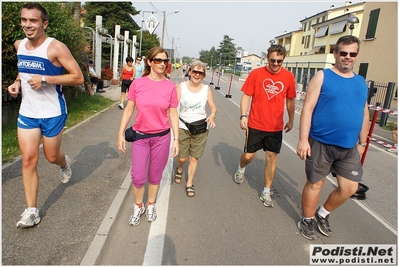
<point x="107" y="73"/>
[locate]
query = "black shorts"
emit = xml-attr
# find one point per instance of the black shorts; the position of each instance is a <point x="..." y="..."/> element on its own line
<point x="345" y="162"/>
<point x="125" y="85"/>
<point x="268" y="141"/>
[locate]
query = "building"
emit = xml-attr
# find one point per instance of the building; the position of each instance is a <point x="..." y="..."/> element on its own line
<point x="311" y="48"/>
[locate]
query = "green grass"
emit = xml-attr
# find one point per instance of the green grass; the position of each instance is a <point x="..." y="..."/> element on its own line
<point x="80" y="107"/>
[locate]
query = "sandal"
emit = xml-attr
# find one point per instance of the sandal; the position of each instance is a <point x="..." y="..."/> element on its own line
<point x="190" y="191"/>
<point x="178" y="176"/>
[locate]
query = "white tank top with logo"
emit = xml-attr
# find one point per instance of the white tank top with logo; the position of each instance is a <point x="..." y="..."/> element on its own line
<point x="48" y="101"/>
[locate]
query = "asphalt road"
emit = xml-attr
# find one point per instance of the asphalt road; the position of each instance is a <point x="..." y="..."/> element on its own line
<point x="86" y="221"/>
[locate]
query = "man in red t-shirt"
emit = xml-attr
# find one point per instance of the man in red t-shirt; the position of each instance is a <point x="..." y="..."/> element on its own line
<point x="270" y="88"/>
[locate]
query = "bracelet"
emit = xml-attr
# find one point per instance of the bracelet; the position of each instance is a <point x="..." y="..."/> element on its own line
<point x="214" y="114"/>
<point x="176" y="138"/>
<point x="242" y="116"/>
<point x="363" y="144"/>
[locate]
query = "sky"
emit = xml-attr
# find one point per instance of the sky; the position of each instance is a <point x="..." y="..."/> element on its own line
<point x="201" y="25"/>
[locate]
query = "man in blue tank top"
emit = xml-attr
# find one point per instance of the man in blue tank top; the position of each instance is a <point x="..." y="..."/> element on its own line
<point x="332" y="136"/>
<point x="42" y="62"/>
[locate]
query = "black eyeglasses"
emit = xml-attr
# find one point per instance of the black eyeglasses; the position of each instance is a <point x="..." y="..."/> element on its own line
<point x="138" y="59"/>
<point x="344" y="54"/>
<point x="279" y="61"/>
<point x="160" y="60"/>
<point x="197" y="72"/>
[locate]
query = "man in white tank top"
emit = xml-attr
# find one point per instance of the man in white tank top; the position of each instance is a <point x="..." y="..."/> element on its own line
<point x="42" y="62"/>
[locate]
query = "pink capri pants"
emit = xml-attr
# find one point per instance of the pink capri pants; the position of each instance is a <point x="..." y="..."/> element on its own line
<point x="152" y="154"/>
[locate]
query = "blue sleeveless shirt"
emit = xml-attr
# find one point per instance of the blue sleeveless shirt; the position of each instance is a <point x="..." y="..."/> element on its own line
<point x="338" y="115"/>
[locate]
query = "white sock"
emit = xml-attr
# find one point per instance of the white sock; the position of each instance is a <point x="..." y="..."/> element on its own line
<point x="34" y="209"/>
<point x="323" y="212"/>
<point x="266" y="190"/>
<point x="241" y="169"/>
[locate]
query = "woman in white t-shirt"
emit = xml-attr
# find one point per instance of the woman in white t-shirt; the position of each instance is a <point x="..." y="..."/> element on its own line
<point x="193" y="96"/>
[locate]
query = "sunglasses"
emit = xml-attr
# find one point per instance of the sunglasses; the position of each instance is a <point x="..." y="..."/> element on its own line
<point x="160" y="60"/>
<point x="138" y="59"/>
<point x="344" y="54"/>
<point x="279" y="61"/>
<point x="197" y="72"/>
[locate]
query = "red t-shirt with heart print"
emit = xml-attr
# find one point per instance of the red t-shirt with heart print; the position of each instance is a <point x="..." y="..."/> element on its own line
<point x="268" y="92"/>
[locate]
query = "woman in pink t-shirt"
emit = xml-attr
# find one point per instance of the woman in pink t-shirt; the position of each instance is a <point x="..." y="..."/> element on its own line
<point x="155" y="99"/>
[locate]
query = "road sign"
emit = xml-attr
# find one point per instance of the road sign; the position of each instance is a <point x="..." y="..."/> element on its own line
<point x="152" y="23"/>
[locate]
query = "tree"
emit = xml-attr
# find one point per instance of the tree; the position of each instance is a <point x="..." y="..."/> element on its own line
<point x="113" y="13"/>
<point x="227" y="51"/>
<point x="117" y="13"/>
<point x="209" y="57"/>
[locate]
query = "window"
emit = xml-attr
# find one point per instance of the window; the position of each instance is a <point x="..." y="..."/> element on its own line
<point x="304" y="27"/>
<point x="338" y="27"/>
<point x="306" y="41"/>
<point x="322" y="31"/>
<point x="309" y="26"/>
<point x="372" y="27"/>
<point x="363" y="69"/>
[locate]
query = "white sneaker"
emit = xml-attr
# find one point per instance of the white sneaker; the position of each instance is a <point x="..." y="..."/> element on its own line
<point x="151" y="214"/>
<point x="29" y="218"/>
<point x="392" y="149"/>
<point x="120" y="106"/>
<point x="66" y="173"/>
<point x="135" y="217"/>
<point x="239" y="176"/>
<point x="267" y="199"/>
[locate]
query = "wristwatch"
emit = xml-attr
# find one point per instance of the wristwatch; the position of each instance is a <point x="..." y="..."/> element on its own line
<point x="242" y="116"/>
<point x="44" y="82"/>
<point x="363" y="144"/>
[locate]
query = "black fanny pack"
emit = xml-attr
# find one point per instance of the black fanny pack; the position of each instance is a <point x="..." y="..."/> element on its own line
<point x="196" y="127"/>
<point x="131" y="135"/>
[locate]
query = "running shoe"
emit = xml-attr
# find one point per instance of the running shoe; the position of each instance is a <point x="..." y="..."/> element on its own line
<point x="66" y="173"/>
<point x="137" y="212"/>
<point x="29" y="219"/>
<point x="306" y="228"/>
<point x="267" y="199"/>
<point x="239" y="177"/>
<point x="323" y="224"/>
<point x="151" y="214"/>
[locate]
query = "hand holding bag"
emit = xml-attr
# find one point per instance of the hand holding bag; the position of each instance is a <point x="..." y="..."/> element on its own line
<point x="196" y="127"/>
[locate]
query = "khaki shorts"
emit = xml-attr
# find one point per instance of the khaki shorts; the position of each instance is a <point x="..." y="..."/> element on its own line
<point x="345" y="162"/>
<point x="193" y="145"/>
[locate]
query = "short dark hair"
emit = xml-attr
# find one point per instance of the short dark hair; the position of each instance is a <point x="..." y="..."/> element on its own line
<point x="276" y="48"/>
<point x="347" y="40"/>
<point x="129" y="59"/>
<point x="91" y="62"/>
<point x="34" y="5"/>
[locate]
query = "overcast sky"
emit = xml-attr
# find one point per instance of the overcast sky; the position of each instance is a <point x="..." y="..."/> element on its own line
<point x="201" y="25"/>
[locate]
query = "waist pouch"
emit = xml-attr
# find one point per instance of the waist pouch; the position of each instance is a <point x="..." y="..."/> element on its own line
<point x="196" y="127"/>
<point x="132" y="135"/>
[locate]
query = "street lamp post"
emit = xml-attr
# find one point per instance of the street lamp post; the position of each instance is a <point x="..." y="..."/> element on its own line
<point x="352" y="20"/>
<point x="211" y="62"/>
<point x="173" y="48"/>
<point x="272" y="42"/>
<point x="164" y="23"/>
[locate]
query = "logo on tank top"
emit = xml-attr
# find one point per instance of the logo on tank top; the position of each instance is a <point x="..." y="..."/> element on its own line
<point x="31" y="64"/>
<point x="272" y="88"/>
